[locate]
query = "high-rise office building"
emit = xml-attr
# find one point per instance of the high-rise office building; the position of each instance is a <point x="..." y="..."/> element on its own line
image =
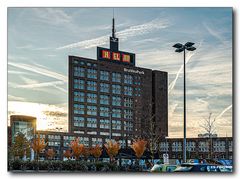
<point x="112" y="98"/>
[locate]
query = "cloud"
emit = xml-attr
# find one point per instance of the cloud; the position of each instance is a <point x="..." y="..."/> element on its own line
<point x="123" y="34"/>
<point x="40" y="85"/>
<point x="35" y="85"/>
<point x="15" y="98"/>
<point x="39" y="70"/>
<point x="214" y="32"/>
<point x="53" y="16"/>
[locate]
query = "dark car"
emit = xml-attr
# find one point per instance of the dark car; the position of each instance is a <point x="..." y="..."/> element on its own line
<point x="191" y="167"/>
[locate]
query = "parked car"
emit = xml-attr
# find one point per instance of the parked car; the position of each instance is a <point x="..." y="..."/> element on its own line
<point x="163" y="168"/>
<point x="196" y="167"/>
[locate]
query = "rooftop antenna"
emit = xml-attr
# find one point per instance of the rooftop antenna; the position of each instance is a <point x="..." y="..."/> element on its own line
<point x="113" y="26"/>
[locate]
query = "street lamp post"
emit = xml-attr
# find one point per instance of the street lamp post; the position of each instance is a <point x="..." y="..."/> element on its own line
<point x="179" y="48"/>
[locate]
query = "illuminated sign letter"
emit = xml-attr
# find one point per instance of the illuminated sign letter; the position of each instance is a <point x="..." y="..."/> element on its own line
<point x="105" y="54"/>
<point x="126" y="58"/>
<point x="116" y="56"/>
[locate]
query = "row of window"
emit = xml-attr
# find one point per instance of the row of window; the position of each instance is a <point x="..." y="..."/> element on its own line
<point x="103" y="123"/>
<point x="104" y="87"/>
<point x="104" y="75"/>
<point x="104" y="111"/>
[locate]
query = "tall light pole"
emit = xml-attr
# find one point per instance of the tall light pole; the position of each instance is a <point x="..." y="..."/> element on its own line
<point x="179" y="48"/>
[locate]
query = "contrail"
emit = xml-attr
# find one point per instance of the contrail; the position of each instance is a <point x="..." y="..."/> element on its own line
<point x="123" y="34"/>
<point x="225" y="110"/>
<point x="172" y="84"/>
<point x="39" y="70"/>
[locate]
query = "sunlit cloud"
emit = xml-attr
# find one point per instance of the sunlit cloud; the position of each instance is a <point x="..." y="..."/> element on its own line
<point x="46" y="114"/>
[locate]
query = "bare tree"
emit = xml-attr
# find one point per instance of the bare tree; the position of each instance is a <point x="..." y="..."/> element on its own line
<point x="209" y="126"/>
<point x="153" y="139"/>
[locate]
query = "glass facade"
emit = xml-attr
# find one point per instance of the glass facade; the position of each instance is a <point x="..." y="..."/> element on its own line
<point x="128" y="102"/>
<point x="104" y="75"/>
<point x="128" y="114"/>
<point x="116" y="77"/>
<point x="128" y="90"/>
<point x="91" y="85"/>
<point x="24" y="127"/>
<point x="104" y="123"/>
<point x="91" y="98"/>
<point x="79" y="72"/>
<point x="78" y="109"/>
<point x="79" y="121"/>
<point x="104" y="111"/>
<point x="104" y="99"/>
<point x="116" y="101"/>
<point x="92" y="110"/>
<point x="128" y="79"/>
<point x="79" y="84"/>
<point x="79" y="96"/>
<point x="116" y="89"/>
<point x="92" y="73"/>
<point x="104" y="87"/>
<point x="116" y="113"/>
<point x="92" y="122"/>
<point x="116" y="125"/>
<point x="128" y="126"/>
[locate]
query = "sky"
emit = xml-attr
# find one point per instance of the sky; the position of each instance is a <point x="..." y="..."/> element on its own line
<point x="40" y="40"/>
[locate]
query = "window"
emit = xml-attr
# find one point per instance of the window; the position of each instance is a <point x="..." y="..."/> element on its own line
<point x="78" y="96"/>
<point x="116" y="125"/>
<point x="164" y="146"/>
<point x="137" y="91"/>
<point x="104" y="133"/>
<point x="91" y="98"/>
<point x="92" y="110"/>
<point x="78" y="109"/>
<point x="128" y="114"/>
<point x="104" y="124"/>
<point x="116" y="134"/>
<point x="128" y="126"/>
<point x="128" y="102"/>
<point x="116" y="113"/>
<point x="104" y="87"/>
<point x="116" y="89"/>
<point x="92" y="73"/>
<point x="96" y="141"/>
<point x="104" y="99"/>
<point x="116" y="101"/>
<point x="128" y="79"/>
<point x="116" y="77"/>
<point x="79" y="121"/>
<point x="176" y="146"/>
<point x="91" y="122"/>
<point x="128" y="90"/>
<point x="92" y="132"/>
<point x="104" y="111"/>
<point x="78" y="84"/>
<point x="104" y="75"/>
<point x="79" y="72"/>
<point x="92" y="85"/>
<point x="137" y="80"/>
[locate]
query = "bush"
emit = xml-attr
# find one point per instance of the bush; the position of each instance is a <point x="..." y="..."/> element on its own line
<point x="81" y="166"/>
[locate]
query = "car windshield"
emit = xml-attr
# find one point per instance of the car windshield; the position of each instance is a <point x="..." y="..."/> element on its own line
<point x="183" y="168"/>
<point x="170" y="168"/>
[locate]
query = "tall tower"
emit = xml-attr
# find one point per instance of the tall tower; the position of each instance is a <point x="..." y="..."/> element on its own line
<point x="113" y="39"/>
